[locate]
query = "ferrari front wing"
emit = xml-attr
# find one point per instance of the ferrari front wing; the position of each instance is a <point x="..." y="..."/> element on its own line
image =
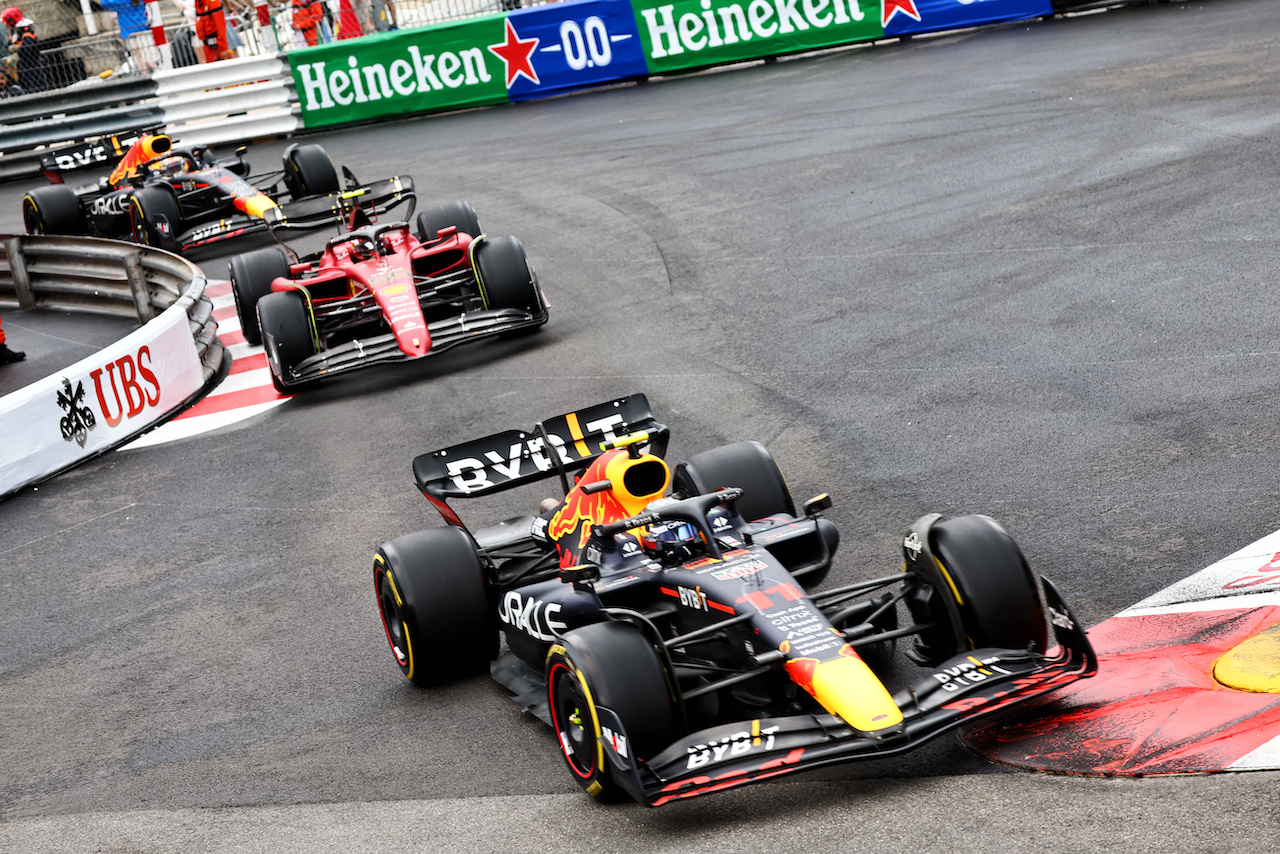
<point x="967" y="687"/>
<point x="363" y="352"/>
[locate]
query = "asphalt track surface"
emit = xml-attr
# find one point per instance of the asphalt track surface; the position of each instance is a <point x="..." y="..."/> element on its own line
<point x="1026" y="271"/>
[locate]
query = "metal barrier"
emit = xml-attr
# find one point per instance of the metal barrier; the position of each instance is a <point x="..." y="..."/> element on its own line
<point x="221" y="103"/>
<point x="139" y="382"/>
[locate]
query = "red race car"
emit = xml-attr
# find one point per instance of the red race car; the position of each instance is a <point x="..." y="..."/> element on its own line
<point x="381" y="293"/>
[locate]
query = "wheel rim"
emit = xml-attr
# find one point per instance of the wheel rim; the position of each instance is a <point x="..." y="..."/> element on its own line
<point x="570" y="713"/>
<point x="138" y="223"/>
<point x="31" y="219"/>
<point x="391" y="621"/>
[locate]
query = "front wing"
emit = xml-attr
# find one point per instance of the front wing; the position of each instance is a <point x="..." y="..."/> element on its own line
<point x="364" y="352"/>
<point x="967" y="687"/>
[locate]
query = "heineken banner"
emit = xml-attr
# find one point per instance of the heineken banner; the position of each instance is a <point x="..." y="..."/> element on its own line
<point x="559" y="47"/>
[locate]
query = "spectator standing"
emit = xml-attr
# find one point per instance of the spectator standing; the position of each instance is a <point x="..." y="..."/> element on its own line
<point x="24" y="42"/>
<point x="306" y="20"/>
<point x="6" y="355"/>
<point x="211" y="29"/>
<point x="384" y="15"/>
<point x="131" y="17"/>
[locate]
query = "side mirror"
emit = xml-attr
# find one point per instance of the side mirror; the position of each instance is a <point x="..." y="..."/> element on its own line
<point x="817" y="504"/>
<point x="583" y="573"/>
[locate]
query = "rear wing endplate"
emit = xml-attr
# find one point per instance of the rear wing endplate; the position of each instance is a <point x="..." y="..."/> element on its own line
<point x="557" y="445"/>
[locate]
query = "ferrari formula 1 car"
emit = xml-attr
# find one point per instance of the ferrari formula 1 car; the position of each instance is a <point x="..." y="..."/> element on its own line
<point x="666" y="625"/>
<point x="380" y="293"/>
<point x="179" y="198"/>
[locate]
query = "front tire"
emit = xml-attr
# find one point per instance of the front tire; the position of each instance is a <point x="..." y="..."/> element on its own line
<point x="154" y="217"/>
<point x="983" y="587"/>
<point x="607" y="665"/>
<point x="251" y="277"/>
<point x="286" y="336"/>
<point x="434" y="604"/>
<point x="53" y="210"/>
<point x="308" y="171"/>
<point x="459" y="214"/>
<point x="506" y="279"/>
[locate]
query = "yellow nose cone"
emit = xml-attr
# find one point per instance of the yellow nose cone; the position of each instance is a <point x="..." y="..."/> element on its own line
<point x="845" y="686"/>
<point x="1254" y="665"/>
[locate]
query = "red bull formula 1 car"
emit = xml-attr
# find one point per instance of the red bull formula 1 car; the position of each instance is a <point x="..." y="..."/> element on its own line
<point x="666" y="625"/>
<point x="381" y="293"/>
<point x="179" y="198"/>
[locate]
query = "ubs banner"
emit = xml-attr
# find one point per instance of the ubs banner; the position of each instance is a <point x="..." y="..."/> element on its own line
<point x="559" y="47"/>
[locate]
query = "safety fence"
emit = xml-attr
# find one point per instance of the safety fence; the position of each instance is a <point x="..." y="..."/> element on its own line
<point x="471" y="56"/>
<point x="110" y="398"/>
<point x="215" y="104"/>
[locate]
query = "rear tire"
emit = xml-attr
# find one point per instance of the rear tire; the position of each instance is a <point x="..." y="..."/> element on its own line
<point x="251" y="277"/>
<point x="608" y="665"/>
<point x="154" y="217"/>
<point x="435" y="605"/>
<point x="746" y="465"/>
<point x="53" y="210"/>
<point x="506" y="280"/>
<point x="460" y="214"/>
<point x="286" y="336"/>
<point x="308" y="171"/>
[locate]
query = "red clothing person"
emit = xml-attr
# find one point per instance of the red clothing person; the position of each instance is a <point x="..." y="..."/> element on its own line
<point x="306" y="19"/>
<point x="211" y="29"/>
<point x="7" y="355"/>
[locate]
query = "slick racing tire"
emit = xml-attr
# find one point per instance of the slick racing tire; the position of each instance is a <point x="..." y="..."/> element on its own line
<point x="435" y="605"/>
<point x="607" y="665"/>
<point x="983" y="587"/>
<point x="506" y="279"/>
<point x="251" y="277"/>
<point x="746" y="465"/>
<point x="53" y="210"/>
<point x="460" y="214"/>
<point x="154" y="217"/>
<point x="308" y="171"/>
<point x="286" y="336"/>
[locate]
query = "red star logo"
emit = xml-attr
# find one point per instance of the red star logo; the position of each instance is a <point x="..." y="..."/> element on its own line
<point x="517" y="54"/>
<point x="889" y="8"/>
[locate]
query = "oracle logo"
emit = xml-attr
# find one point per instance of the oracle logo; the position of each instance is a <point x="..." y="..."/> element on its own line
<point x="133" y="385"/>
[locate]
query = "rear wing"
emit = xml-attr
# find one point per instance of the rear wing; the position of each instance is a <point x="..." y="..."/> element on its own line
<point x="514" y="458"/>
<point x="104" y="149"/>
<point x="323" y="211"/>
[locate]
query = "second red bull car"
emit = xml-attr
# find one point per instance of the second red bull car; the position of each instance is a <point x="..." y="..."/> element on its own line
<point x="179" y="198"/>
<point x="667" y="625"/>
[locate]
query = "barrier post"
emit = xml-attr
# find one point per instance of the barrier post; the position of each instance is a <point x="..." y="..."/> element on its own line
<point x="266" y="27"/>
<point x="155" y="20"/>
<point x="138" y="285"/>
<point x="18" y="271"/>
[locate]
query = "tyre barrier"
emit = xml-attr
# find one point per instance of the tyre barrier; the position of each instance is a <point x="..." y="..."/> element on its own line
<point x="119" y="393"/>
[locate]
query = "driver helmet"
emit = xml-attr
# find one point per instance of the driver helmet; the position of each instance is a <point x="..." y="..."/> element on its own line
<point x="11" y="15"/>
<point x="170" y="166"/>
<point x="672" y="542"/>
<point x="362" y="249"/>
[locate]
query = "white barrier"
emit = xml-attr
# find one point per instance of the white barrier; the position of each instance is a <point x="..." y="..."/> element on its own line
<point x="113" y="396"/>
